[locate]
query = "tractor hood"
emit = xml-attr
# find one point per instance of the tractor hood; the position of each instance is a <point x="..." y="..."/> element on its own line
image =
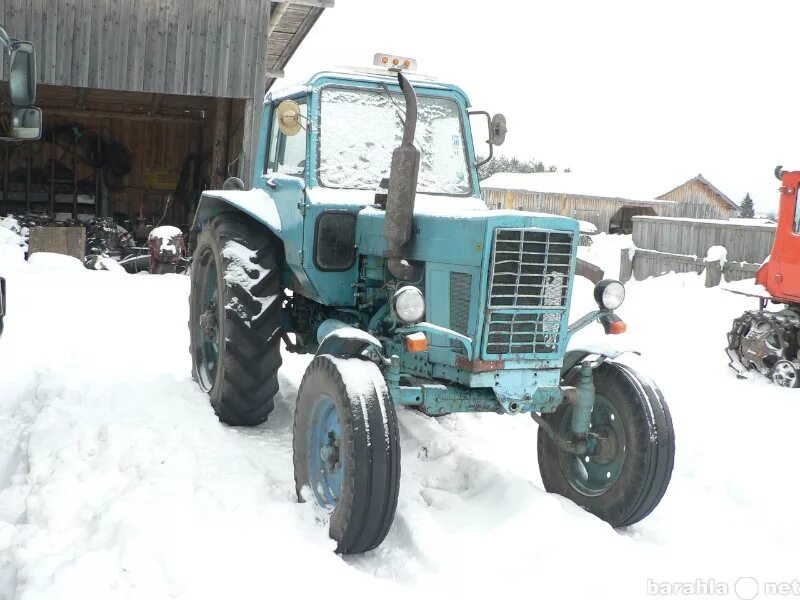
<point x="447" y="229"/>
<point x="451" y="234"/>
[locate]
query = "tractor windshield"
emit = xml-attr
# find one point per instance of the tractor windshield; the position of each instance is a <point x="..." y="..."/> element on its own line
<point x="359" y="129"/>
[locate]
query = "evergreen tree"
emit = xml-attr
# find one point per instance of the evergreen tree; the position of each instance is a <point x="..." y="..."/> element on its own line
<point x="502" y="164"/>
<point x="746" y="209"/>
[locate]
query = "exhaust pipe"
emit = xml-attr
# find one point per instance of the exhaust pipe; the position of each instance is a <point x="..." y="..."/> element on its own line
<point x="398" y="222"/>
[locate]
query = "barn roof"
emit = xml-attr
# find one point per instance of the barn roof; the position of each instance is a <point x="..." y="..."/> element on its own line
<point x="573" y="184"/>
<point x="700" y="179"/>
<point x="289" y="23"/>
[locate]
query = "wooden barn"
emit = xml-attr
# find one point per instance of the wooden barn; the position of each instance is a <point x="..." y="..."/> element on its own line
<point x="145" y="102"/>
<point x="698" y="199"/>
<point x="610" y="204"/>
<point x="607" y="207"/>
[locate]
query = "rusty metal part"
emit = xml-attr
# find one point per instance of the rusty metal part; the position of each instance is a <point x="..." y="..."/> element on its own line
<point x="573" y="447"/>
<point x="479" y="366"/>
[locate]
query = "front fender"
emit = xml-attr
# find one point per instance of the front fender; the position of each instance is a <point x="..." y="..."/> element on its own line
<point x="348" y="341"/>
<point x="577" y="354"/>
<point x="255" y="202"/>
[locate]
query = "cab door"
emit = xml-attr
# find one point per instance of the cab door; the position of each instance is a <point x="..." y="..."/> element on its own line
<point x="284" y="179"/>
<point x="787" y="242"/>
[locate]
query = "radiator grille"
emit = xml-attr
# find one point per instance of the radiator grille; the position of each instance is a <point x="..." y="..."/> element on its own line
<point x="523" y="333"/>
<point x="460" y="284"/>
<point x="530" y="268"/>
<point x="528" y="291"/>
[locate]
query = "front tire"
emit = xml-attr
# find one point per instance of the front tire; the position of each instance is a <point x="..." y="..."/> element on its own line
<point x="235" y="317"/>
<point x="627" y="481"/>
<point x="346" y="449"/>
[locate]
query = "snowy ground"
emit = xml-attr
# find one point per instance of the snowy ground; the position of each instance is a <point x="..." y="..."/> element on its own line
<point x="117" y="480"/>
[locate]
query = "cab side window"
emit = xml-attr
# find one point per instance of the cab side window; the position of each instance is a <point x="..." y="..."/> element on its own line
<point x="797" y="214"/>
<point x="287" y="154"/>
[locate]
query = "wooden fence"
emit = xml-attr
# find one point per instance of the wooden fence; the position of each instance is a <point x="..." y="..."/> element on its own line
<point x="639" y="263"/>
<point x="664" y="245"/>
<point x="693" y="237"/>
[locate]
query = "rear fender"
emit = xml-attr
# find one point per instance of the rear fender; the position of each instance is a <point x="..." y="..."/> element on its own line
<point x="256" y="203"/>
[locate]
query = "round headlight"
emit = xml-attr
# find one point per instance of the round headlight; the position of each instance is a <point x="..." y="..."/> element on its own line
<point x="409" y="304"/>
<point x="609" y="294"/>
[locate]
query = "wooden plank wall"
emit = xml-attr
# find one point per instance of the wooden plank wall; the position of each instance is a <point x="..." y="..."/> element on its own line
<point x="595" y="210"/>
<point x="748" y="243"/>
<point x="696" y="201"/>
<point x="191" y="47"/>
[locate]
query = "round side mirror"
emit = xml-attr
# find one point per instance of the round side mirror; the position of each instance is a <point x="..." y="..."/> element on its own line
<point x="498" y="130"/>
<point x="233" y="183"/>
<point x="288" y="115"/>
<point x="26" y="123"/>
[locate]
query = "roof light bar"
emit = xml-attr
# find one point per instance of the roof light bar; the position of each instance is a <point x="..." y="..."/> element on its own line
<point x="396" y="63"/>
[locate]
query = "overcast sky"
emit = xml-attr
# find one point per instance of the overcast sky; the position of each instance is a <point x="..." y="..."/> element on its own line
<point x="654" y="92"/>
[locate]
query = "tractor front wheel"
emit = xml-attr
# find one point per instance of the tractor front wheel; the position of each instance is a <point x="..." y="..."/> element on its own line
<point x="625" y="479"/>
<point x="346" y="449"/>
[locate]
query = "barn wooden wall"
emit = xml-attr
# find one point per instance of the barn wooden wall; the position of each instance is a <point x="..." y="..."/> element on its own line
<point x="696" y="201"/>
<point x="595" y="210"/>
<point x="194" y="47"/>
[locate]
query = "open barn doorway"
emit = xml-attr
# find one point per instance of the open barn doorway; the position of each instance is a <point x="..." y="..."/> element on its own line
<point x="622" y="220"/>
<point x="120" y="163"/>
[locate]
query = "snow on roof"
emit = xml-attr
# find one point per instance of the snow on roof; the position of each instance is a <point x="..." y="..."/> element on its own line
<point x="599" y="186"/>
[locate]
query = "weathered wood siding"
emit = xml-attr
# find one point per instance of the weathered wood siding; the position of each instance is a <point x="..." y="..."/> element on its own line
<point x="648" y="263"/>
<point x="187" y="47"/>
<point x="748" y="243"/>
<point x="694" y="200"/>
<point x="596" y="210"/>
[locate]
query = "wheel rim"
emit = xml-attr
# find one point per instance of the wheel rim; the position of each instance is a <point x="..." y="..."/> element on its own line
<point x="784" y="374"/>
<point x="324" y="456"/>
<point x="207" y="323"/>
<point x="594" y="474"/>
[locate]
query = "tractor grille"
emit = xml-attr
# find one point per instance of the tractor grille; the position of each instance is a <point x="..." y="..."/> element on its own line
<point x="523" y="333"/>
<point x="528" y="291"/>
<point x="530" y="268"/>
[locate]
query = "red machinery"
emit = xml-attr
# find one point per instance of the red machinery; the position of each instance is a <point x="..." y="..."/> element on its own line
<point x="767" y="341"/>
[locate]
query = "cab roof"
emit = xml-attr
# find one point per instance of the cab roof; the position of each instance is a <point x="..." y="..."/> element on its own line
<point x="366" y="74"/>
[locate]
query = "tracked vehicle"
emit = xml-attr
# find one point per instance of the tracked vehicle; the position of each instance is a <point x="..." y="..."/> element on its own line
<point x="766" y="341"/>
<point x="364" y="242"/>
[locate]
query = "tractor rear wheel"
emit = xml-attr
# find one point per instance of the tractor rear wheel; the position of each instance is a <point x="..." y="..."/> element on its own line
<point x="235" y="318"/>
<point x="346" y="449"/>
<point x="626" y="479"/>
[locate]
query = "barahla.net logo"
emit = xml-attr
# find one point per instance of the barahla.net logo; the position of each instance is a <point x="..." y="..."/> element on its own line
<point x="744" y="588"/>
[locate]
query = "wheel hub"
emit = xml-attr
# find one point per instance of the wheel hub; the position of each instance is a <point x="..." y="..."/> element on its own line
<point x="209" y="322"/>
<point x="330" y="453"/>
<point x="594" y="472"/>
<point x="607" y="446"/>
<point x="785" y="374"/>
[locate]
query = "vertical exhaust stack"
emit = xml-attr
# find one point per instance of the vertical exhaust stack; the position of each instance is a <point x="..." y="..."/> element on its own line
<point x="398" y="223"/>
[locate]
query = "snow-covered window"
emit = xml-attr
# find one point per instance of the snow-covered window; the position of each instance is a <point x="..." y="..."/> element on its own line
<point x="359" y="129"/>
<point x="287" y="154"/>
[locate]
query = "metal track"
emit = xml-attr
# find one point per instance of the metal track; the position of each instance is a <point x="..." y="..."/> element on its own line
<point x="760" y="341"/>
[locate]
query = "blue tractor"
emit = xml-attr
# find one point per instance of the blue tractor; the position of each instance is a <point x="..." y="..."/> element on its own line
<point x="364" y="241"/>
